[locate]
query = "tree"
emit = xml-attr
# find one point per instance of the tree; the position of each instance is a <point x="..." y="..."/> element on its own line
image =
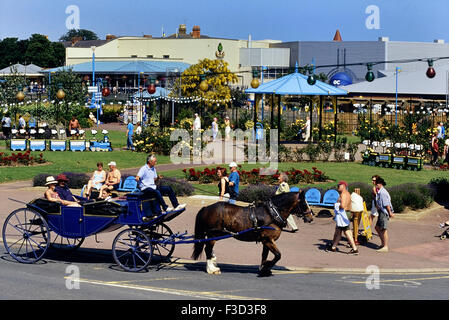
<point x="12" y="51"/>
<point x="83" y="33"/>
<point x="217" y="76"/>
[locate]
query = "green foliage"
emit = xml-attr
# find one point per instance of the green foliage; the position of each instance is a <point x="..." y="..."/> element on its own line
<point x="37" y="50"/>
<point x="10" y="88"/>
<point x="440" y="188"/>
<point x="82" y="33"/>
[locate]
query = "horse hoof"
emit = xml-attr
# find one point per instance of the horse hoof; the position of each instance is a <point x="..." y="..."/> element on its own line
<point x="216" y="271"/>
<point x="265" y="273"/>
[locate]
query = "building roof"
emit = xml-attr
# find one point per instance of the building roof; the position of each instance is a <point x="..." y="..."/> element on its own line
<point x="29" y="70"/>
<point x="126" y="67"/>
<point x="83" y="43"/>
<point x="409" y="83"/>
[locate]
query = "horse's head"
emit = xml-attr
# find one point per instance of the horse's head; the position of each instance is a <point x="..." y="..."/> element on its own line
<point x="294" y="203"/>
<point x="302" y="209"/>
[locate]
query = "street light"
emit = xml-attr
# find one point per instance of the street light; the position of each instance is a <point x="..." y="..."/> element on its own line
<point x="397" y="70"/>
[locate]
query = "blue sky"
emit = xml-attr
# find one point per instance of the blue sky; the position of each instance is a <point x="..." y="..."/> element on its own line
<point x="286" y="20"/>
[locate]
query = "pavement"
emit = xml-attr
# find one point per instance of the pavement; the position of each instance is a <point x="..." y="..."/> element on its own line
<point x="414" y="239"/>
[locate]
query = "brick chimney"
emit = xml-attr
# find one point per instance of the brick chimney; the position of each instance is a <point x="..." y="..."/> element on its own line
<point x="196" y="32"/>
<point x="110" y="37"/>
<point x="147" y="36"/>
<point x="75" y="40"/>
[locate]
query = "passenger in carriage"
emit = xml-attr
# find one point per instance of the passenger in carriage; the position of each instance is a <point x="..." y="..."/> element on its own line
<point x="63" y="190"/>
<point x="112" y="179"/>
<point x="147" y="177"/>
<point x="53" y="196"/>
<point x="97" y="179"/>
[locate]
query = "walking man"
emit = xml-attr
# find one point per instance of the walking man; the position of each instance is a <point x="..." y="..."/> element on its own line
<point x="147" y="177"/>
<point x="129" y="135"/>
<point x="306" y="129"/>
<point x="385" y="209"/>
<point x="197" y="122"/>
<point x="342" y="206"/>
<point x="234" y="180"/>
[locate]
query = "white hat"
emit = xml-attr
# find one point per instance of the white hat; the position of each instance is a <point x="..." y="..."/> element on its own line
<point x="50" y="180"/>
<point x="232" y="164"/>
<point x="112" y="163"/>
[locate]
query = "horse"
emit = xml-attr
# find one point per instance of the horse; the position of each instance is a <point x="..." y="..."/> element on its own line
<point x="266" y="220"/>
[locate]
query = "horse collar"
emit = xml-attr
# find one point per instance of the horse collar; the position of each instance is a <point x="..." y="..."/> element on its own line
<point x="275" y="215"/>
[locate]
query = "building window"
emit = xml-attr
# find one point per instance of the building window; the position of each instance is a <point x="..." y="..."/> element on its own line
<point x="166" y="56"/>
<point x="134" y="56"/>
<point x="149" y="56"/>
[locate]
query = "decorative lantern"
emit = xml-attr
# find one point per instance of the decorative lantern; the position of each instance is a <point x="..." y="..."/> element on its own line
<point x="311" y="79"/>
<point x="430" y="73"/>
<point x="60" y="94"/>
<point x="106" y="91"/>
<point x="255" y="82"/>
<point x="203" y="85"/>
<point x="370" y="74"/>
<point x="151" y="87"/>
<point x="20" y="96"/>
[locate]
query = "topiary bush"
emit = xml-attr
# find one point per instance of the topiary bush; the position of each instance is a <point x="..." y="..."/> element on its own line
<point x="256" y="192"/>
<point x="76" y="180"/>
<point x="180" y="186"/>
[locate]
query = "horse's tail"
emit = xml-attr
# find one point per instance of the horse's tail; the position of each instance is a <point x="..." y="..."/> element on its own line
<point x="199" y="234"/>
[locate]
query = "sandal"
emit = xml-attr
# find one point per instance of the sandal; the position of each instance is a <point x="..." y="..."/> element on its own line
<point x="329" y="248"/>
<point x="354" y="252"/>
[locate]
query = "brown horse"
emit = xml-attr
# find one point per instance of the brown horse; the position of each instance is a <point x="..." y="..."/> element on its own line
<point x="224" y="219"/>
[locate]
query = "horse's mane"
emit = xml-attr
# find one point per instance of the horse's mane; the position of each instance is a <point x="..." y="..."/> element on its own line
<point x="283" y="198"/>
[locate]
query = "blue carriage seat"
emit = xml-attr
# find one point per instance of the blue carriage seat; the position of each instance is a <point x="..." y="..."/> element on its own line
<point x="313" y="196"/>
<point x="330" y="198"/>
<point x="128" y="185"/>
<point x="294" y="189"/>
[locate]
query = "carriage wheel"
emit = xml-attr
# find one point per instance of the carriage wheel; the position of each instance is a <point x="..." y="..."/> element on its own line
<point x="66" y="244"/>
<point x="162" y="232"/>
<point x="443" y="236"/>
<point x="26" y="235"/>
<point x="132" y="250"/>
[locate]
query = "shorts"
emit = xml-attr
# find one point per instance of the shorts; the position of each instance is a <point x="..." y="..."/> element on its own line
<point x="115" y="186"/>
<point x="343" y="228"/>
<point x="382" y="220"/>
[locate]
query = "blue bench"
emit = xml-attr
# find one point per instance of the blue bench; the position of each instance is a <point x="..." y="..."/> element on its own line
<point x="313" y="197"/>
<point x="128" y="185"/>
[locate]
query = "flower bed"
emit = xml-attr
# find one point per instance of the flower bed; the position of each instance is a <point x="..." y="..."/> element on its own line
<point x="254" y="176"/>
<point x="20" y="159"/>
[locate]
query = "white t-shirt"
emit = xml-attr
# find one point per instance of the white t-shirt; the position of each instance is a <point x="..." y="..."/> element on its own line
<point x="197" y="124"/>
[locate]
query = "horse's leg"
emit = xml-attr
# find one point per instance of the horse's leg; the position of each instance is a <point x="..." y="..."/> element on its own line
<point x="211" y="266"/>
<point x="265" y="251"/>
<point x="267" y="265"/>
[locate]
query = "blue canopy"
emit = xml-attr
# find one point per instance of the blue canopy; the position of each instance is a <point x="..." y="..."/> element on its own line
<point x="296" y="84"/>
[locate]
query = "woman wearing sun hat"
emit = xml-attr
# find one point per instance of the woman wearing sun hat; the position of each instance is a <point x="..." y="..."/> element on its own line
<point x="53" y="196"/>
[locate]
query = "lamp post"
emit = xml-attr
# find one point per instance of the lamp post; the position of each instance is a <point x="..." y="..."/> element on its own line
<point x="397" y="70"/>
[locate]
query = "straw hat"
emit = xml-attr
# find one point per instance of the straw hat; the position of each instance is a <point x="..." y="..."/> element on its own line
<point x="50" y="180"/>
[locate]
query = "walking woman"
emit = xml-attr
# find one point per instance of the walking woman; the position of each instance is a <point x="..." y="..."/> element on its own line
<point x="223" y="185"/>
<point x="434" y="149"/>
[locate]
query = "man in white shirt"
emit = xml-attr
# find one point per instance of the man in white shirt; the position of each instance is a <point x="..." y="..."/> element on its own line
<point x="197" y="122"/>
<point x="306" y="129"/>
<point x="214" y="129"/>
<point x="147" y="177"/>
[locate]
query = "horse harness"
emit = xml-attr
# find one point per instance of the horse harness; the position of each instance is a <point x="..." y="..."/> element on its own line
<point x="258" y="221"/>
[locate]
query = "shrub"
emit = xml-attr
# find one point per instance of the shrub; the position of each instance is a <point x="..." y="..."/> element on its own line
<point x="413" y="195"/>
<point x="312" y="152"/>
<point x="180" y="186"/>
<point x="440" y="187"/>
<point x="76" y="180"/>
<point x="256" y="192"/>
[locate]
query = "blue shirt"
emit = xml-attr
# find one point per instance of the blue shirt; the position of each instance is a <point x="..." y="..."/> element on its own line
<point x="64" y="193"/>
<point x="383" y="200"/>
<point x="235" y="178"/>
<point x="146" y="177"/>
<point x="130" y="129"/>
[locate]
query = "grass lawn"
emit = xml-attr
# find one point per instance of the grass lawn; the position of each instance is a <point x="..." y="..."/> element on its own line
<point x="351" y="172"/>
<point x="76" y="162"/>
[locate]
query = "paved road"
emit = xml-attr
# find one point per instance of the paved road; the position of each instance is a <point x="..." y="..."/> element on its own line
<point x="100" y="278"/>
